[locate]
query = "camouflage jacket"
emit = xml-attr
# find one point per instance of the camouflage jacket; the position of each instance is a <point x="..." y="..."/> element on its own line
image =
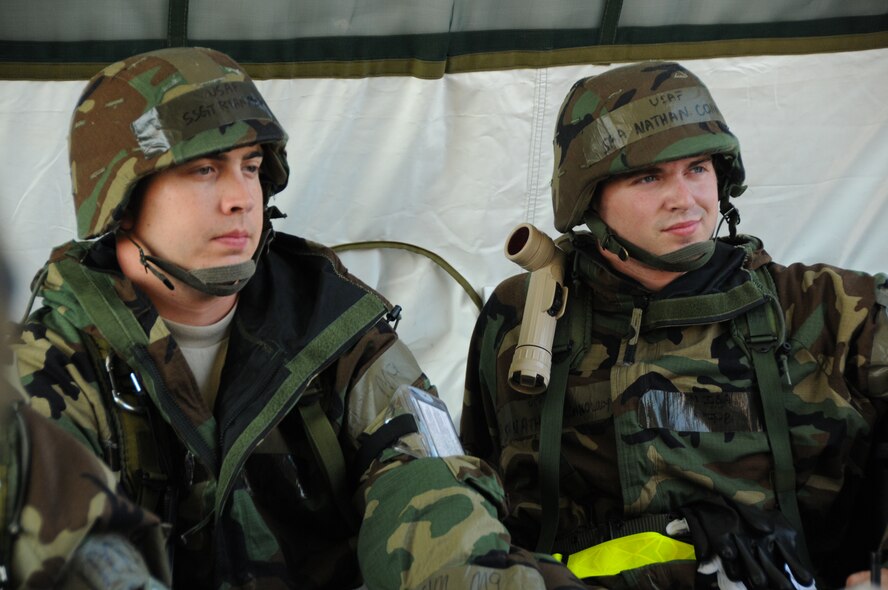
<point x="255" y="508"/>
<point x="54" y="497"/>
<point x="651" y="425"/>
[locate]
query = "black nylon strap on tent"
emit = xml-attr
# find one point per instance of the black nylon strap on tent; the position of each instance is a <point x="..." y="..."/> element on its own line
<point x="610" y="20"/>
<point x="328" y="453"/>
<point x="550" y="435"/>
<point x="177" y="23"/>
<point x="763" y="341"/>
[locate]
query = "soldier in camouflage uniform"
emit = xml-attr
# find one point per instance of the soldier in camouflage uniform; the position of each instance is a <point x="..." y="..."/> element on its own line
<point x="65" y="524"/>
<point x="703" y="380"/>
<point x="232" y="381"/>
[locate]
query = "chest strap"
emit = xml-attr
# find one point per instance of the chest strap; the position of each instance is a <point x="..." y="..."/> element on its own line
<point x="139" y="448"/>
<point x="550" y="434"/>
<point x="588" y="536"/>
<point x="328" y="453"/>
<point x="763" y="342"/>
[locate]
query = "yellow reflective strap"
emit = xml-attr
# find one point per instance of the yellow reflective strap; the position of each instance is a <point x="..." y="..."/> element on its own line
<point x="626" y="553"/>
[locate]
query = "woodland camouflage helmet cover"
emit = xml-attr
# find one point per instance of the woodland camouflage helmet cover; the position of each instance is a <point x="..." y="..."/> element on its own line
<point x="629" y="118"/>
<point x="156" y="110"/>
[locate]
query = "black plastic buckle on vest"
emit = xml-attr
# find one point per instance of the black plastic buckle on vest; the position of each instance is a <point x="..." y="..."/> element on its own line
<point x="762" y="342"/>
<point x="769" y="342"/>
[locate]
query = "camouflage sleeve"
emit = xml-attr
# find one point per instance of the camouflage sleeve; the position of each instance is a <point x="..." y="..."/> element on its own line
<point x="434" y="523"/>
<point x="371" y="373"/>
<point x="58" y="374"/>
<point x="877" y="374"/>
<point x="842" y="314"/>
<point x="70" y="499"/>
<point x="836" y="323"/>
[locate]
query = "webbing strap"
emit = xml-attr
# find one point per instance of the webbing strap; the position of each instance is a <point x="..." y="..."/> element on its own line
<point x="610" y="21"/>
<point x="99" y="301"/>
<point x="762" y="345"/>
<point x="137" y="455"/>
<point x="104" y="307"/>
<point x="385" y="436"/>
<point x="550" y="436"/>
<point x="703" y="309"/>
<point x="328" y="453"/>
<point x="177" y="23"/>
<point x="587" y="536"/>
<point x="324" y="347"/>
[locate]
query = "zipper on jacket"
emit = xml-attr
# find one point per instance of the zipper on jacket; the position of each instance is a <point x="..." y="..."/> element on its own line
<point x="286" y="409"/>
<point x="180" y="422"/>
<point x="239" y="466"/>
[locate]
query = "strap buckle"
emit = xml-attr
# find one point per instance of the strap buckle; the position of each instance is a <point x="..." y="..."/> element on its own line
<point x="116" y="394"/>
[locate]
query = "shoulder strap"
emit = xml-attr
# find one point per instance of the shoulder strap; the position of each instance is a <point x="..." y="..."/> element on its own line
<point x="135" y="450"/>
<point x="570" y="340"/>
<point x="328" y="454"/>
<point x="551" y="427"/>
<point x="764" y="338"/>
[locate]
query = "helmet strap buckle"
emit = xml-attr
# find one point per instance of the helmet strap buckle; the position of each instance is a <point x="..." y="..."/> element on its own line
<point x="143" y="260"/>
<point x="730" y="214"/>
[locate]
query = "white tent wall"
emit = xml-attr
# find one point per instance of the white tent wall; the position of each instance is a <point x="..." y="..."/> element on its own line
<point x="453" y="164"/>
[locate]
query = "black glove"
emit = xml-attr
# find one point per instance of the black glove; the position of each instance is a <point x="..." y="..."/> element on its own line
<point x="754" y="544"/>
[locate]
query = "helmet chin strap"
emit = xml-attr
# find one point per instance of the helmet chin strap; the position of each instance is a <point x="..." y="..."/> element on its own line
<point x="218" y="281"/>
<point x="684" y="259"/>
